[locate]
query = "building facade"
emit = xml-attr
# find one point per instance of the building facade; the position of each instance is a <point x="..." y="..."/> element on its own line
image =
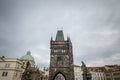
<point x="78" y="72"/>
<point x="112" y="72"/>
<point x="45" y="74"/>
<point x="17" y="69"/>
<point x="97" y="73"/>
<point x="61" y="58"/>
<point x="10" y="69"/>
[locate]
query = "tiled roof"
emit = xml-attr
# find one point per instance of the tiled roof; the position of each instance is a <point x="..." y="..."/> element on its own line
<point x="96" y="69"/>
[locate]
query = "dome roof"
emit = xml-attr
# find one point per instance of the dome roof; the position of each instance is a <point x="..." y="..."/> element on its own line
<point x="28" y="56"/>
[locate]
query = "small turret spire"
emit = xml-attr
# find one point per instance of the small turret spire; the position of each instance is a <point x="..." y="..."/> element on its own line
<point x="68" y="38"/>
<point x="51" y="38"/>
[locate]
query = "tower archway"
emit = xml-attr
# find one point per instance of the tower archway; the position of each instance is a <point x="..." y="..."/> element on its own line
<point x="59" y="76"/>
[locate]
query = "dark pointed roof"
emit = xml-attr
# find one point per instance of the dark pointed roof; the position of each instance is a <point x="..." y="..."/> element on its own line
<point x="59" y="36"/>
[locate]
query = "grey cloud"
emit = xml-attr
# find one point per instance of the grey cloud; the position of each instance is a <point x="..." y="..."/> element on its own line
<point x="92" y="25"/>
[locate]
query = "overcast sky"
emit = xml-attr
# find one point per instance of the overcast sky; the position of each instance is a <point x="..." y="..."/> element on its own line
<point x="93" y="26"/>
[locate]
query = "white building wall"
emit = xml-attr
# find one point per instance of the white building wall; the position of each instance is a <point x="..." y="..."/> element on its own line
<point x="97" y="75"/>
<point x="11" y="66"/>
<point x="78" y="73"/>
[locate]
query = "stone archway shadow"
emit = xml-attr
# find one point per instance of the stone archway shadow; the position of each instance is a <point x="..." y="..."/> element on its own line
<point x="59" y="76"/>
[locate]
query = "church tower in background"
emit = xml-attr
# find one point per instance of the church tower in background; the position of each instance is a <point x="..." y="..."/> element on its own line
<point x="61" y="58"/>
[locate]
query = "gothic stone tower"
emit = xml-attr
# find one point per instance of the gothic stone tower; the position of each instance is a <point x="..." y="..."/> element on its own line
<point x="61" y="58"/>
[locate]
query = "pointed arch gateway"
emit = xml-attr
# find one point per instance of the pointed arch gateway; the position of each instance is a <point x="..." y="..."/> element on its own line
<point x="59" y="76"/>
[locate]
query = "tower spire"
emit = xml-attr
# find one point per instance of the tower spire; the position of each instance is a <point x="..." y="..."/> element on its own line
<point x="59" y="36"/>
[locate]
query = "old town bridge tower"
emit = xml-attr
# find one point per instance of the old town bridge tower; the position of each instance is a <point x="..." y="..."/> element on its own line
<point x="61" y="58"/>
